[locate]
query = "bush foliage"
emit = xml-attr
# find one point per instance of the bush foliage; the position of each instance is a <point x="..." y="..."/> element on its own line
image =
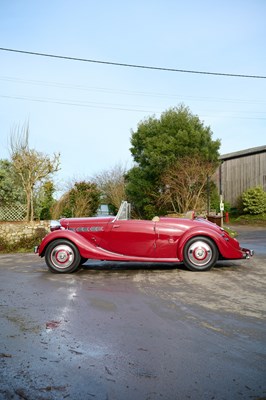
<point x="24" y="244"/>
<point x="254" y="200"/>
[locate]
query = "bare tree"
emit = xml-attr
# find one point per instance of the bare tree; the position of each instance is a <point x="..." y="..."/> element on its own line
<point x="185" y="184"/>
<point x="112" y="184"/>
<point x="82" y="200"/>
<point x="31" y="166"/>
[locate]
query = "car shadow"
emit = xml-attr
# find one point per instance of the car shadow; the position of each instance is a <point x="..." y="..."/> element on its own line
<point x="127" y="265"/>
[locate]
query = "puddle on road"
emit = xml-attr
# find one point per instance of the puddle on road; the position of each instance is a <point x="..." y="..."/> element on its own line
<point x="103" y="305"/>
<point x="22" y="322"/>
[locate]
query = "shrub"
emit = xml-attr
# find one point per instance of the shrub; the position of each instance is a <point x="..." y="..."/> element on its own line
<point x="254" y="200"/>
<point x="24" y="244"/>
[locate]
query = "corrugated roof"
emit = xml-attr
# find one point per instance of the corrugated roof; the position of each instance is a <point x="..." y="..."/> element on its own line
<point x="243" y="153"/>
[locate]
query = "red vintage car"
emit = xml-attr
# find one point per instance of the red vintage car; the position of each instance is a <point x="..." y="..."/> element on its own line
<point x="195" y="242"/>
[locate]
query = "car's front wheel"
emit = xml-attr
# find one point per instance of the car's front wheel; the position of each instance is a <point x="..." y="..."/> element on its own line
<point x="62" y="256"/>
<point x="200" y="254"/>
<point x="83" y="260"/>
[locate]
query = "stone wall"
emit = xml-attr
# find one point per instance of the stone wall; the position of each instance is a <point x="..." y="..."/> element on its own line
<point x="12" y="232"/>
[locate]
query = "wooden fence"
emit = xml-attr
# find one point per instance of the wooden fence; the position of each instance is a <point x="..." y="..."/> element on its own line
<point x="16" y="212"/>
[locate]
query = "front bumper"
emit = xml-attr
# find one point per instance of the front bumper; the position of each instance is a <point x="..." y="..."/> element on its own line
<point x="36" y="249"/>
<point x="247" y="253"/>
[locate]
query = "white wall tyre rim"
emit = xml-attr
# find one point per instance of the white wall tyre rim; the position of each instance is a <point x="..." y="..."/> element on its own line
<point x="62" y="256"/>
<point x="199" y="253"/>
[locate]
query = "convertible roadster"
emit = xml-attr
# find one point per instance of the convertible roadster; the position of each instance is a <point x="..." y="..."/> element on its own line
<point x="195" y="242"/>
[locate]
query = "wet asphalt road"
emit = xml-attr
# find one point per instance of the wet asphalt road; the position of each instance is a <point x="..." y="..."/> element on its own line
<point x="133" y="332"/>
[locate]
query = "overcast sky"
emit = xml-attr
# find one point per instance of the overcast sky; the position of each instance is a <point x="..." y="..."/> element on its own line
<point x="86" y="111"/>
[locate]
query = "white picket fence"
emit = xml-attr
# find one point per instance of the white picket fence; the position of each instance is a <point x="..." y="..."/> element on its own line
<point x="16" y="212"/>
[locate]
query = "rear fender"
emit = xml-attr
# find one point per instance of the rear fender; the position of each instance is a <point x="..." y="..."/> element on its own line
<point x="225" y="247"/>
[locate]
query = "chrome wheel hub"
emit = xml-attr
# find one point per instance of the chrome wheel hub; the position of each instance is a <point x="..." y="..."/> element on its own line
<point x="62" y="256"/>
<point x="199" y="253"/>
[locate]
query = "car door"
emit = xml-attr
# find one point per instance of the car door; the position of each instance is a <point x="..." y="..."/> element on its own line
<point x="131" y="237"/>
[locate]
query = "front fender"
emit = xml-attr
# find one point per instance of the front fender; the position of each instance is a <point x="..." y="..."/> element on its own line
<point x="85" y="248"/>
<point x="227" y="247"/>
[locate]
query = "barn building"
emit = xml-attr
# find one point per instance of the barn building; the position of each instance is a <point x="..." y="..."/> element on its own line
<point x="240" y="171"/>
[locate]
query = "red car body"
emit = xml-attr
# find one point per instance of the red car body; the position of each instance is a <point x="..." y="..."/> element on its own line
<point x="197" y="243"/>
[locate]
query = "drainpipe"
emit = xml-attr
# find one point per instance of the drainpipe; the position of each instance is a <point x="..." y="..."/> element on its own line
<point x="221" y="194"/>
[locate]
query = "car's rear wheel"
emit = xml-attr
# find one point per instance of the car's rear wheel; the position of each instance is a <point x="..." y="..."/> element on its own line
<point x="200" y="254"/>
<point x="62" y="256"/>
